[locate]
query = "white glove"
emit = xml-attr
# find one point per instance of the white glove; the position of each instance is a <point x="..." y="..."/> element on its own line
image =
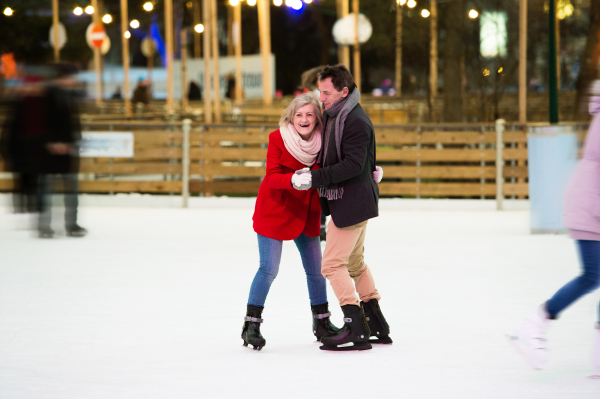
<point x="377" y="174"/>
<point x="299" y="180"/>
<point x="303" y="170"/>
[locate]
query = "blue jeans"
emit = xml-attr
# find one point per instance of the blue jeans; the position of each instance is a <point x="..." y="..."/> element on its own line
<point x="270" y="257"/>
<point x="589" y="280"/>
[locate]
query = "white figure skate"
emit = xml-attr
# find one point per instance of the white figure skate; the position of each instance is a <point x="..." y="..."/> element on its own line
<point x="529" y="338"/>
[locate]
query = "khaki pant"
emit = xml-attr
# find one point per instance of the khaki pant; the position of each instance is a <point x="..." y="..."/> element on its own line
<point x="343" y="261"/>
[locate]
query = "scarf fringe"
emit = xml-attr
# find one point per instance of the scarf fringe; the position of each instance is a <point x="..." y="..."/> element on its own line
<point x="331" y="193"/>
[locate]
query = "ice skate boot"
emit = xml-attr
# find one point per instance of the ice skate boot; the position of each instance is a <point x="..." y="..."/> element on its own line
<point x="529" y="338"/>
<point x="45" y="232"/>
<point x="251" y="331"/>
<point x="76" y="231"/>
<point x="355" y="330"/>
<point x="322" y="326"/>
<point x="377" y="324"/>
<point x="596" y="353"/>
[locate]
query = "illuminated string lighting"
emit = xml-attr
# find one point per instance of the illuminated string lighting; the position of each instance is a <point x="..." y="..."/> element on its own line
<point x="251" y="2"/>
<point x="234" y="2"/>
<point x="107" y="19"/>
<point x="411" y="3"/>
<point x="308" y="1"/>
<point x="148" y="6"/>
<point x="134" y="24"/>
<point x="277" y="3"/>
<point x="473" y="14"/>
<point x="127" y="35"/>
<point x="78" y="11"/>
<point x="8" y="11"/>
<point x="199" y="28"/>
<point x="425" y="13"/>
<point x="401" y="2"/>
<point x="89" y="10"/>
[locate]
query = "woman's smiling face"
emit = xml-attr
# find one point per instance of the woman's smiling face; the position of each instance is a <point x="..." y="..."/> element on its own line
<point x="305" y="120"/>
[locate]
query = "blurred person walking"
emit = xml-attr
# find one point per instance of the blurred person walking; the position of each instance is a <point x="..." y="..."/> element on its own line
<point x="581" y="215"/>
<point x="283" y="213"/>
<point x="62" y="158"/>
<point x="22" y="143"/>
<point x="346" y="181"/>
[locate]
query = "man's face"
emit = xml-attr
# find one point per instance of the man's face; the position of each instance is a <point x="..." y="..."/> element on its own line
<point x="329" y="95"/>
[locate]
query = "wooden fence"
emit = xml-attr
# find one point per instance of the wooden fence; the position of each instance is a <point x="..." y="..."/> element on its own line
<point x="450" y="161"/>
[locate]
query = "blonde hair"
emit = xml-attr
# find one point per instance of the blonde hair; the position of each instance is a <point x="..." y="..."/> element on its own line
<point x="296" y="104"/>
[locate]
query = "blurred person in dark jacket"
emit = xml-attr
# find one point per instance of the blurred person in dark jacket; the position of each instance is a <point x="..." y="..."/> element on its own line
<point x="63" y="133"/>
<point x="141" y="94"/>
<point x="22" y="142"/>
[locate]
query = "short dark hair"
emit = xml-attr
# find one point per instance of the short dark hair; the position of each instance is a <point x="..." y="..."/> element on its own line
<point x="340" y="77"/>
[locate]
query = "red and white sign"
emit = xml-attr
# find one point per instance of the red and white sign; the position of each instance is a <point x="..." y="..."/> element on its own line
<point x="95" y="35"/>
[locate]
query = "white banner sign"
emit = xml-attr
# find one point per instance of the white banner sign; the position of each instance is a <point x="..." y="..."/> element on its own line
<point x="106" y="145"/>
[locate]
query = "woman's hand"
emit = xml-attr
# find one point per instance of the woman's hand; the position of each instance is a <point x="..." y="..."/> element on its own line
<point x="302" y="179"/>
<point x="377" y="174"/>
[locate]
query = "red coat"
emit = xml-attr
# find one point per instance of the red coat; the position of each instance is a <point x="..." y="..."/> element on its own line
<point x="282" y="212"/>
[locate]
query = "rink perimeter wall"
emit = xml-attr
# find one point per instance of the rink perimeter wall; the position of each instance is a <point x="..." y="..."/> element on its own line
<point x="457" y="161"/>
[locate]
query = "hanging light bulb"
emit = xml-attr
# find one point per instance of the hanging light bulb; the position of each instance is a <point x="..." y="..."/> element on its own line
<point x="199" y="28"/>
<point x="148" y="6"/>
<point x="78" y="11"/>
<point x="425" y="13"/>
<point x="107" y="19"/>
<point x="411" y="3"/>
<point x="134" y="24"/>
<point x="89" y="10"/>
<point x="127" y="35"/>
<point x="251" y="2"/>
<point x="277" y="2"/>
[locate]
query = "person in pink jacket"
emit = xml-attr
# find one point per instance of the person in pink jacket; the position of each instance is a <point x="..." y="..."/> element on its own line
<point x="581" y="215"/>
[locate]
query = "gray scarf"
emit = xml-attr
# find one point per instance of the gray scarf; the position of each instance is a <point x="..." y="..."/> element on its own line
<point x="339" y="111"/>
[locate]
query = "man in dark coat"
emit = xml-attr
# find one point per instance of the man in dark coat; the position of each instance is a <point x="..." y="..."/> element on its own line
<point x="348" y="193"/>
<point x="61" y="145"/>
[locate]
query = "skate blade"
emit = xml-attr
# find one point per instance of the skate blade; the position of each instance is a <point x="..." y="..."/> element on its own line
<point x="381" y="341"/>
<point x="256" y="348"/>
<point x="358" y="346"/>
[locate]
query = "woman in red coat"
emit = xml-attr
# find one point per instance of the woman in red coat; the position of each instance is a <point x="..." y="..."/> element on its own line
<point x="284" y="213"/>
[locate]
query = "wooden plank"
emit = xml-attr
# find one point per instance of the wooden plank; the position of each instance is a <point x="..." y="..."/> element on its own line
<point x="225" y="187"/>
<point x="158" y="153"/>
<point x="221" y="153"/>
<point x="439" y="172"/>
<point x="157" y="138"/>
<point x="141" y="168"/>
<point x="236" y="137"/>
<point x="219" y="170"/>
<point x="450" y="189"/>
<point x="447" y="155"/>
<point x="101" y="186"/>
<point x="438" y="189"/>
<point x="7" y="184"/>
<point x="399" y="137"/>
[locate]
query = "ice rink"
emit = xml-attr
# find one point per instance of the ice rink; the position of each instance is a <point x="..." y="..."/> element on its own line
<point x="151" y="304"/>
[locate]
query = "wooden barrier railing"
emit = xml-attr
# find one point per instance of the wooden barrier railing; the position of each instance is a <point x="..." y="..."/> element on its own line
<point x="452" y="161"/>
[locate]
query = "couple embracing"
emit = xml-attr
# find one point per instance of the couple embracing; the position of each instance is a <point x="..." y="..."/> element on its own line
<point x="321" y="163"/>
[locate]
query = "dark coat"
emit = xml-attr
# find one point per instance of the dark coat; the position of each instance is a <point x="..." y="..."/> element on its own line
<point x="354" y="173"/>
<point x="63" y="127"/>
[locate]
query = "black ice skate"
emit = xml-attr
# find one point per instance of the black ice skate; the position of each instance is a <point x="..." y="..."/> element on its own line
<point x="45" y="232"/>
<point x="322" y="326"/>
<point x="76" y="231"/>
<point x="377" y="324"/>
<point x="355" y="330"/>
<point x="251" y="331"/>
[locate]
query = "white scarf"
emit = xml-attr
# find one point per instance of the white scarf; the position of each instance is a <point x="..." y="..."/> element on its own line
<point x="304" y="151"/>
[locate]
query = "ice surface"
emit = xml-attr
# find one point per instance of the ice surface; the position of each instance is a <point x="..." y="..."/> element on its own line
<point x="151" y="305"/>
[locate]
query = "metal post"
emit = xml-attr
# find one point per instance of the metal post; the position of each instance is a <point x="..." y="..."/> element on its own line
<point x="499" y="164"/>
<point x="55" y="30"/>
<point x="356" y="49"/>
<point x="398" y="83"/>
<point x="552" y="81"/>
<point x="169" y="55"/>
<point x="125" y="44"/>
<point x="185" y="162"/>
<point x="523" y="62"/>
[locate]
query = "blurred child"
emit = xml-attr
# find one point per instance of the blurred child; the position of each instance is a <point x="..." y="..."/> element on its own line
<point x="582" y="217"/>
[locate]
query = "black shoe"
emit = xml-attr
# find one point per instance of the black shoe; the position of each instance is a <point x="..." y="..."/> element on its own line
<point x="45" y="232"/>
<point x="377" y="324"/>
<point x="76" y="231"/>
<point x="322" y="326"/>
<point x="251" y="331"/>
<point x="355" y="330"/>
<point x="323" y="236"/>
